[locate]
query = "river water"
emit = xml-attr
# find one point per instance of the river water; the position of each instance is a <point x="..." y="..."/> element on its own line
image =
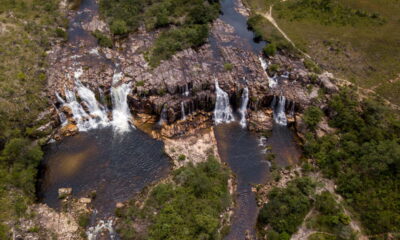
<point x="240" y="148"/>
<point x="118" y="166"/>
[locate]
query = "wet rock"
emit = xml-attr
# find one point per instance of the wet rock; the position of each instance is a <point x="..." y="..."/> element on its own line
<point x="260" y="121"/>
<point x="85" y="200"/>
<point x="69" y="130"/>
<point x="64" y="192"/>
<point x="119" y="205"/>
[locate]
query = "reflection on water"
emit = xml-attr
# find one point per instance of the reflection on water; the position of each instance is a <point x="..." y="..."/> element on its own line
<point x="116" y="166"/>
<point x="239" y="148"/>
<point x="284" y="146"/>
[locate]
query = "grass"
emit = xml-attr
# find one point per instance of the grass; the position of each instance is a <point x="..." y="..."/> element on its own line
<point x="357" y="40"/>
<point x="27" y="29"/>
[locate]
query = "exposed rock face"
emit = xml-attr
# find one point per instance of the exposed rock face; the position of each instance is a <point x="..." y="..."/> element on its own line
<point x="193" y="148"/>
<point x="43" y="222"/>
<point x="188" y="77"/>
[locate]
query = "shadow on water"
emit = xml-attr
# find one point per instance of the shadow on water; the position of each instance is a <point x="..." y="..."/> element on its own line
<point x="116" y="166"/>
<point x="283" y="144"/>
<point x="239" y="148"/>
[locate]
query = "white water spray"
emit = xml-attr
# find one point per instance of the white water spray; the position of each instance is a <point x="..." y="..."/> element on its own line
<point x="102" y="226"/>
<point x="243" y="107"/>
<point x="186" y="93"/>
<point x="97" y="112"/>
<point x="264" y="63"/>
<point x="183" y="111"/>
<point x="273" y="82"/>
<point x="120" y="113"/>
<point x="222" y="111"/>
<point x="279" y="112"/>
<point x="163" y="116"/>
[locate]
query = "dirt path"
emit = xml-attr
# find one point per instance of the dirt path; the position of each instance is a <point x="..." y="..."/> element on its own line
<point x="341" y="81"/>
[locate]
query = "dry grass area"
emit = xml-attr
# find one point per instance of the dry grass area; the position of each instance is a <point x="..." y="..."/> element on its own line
<point x="359" y="42"/>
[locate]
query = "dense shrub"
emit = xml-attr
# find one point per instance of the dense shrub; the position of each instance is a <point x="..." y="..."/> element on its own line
<point x="363" y="158"/>
<point x="183" y="23"/>
<point x="287" y="208"/>
<point x="187" y="208"/>
<point x="312" y="116"/>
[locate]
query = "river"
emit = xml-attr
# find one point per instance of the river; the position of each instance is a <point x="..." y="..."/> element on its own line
<point x="119" y="165"/>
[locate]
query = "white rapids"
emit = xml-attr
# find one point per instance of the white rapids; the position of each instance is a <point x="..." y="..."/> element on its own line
<point x="243" y="107"/>
<point x="279" y="112"/>
<point x="89" y="113"/>
<point x="102" y="226"/>
<point x="222" y="111"/>
<point x="120" y="113"/>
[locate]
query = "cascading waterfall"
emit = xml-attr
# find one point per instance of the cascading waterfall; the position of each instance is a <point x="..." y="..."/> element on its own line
<point x="273" y="82"/>
<point x="103" y="99"/>
<point x="183" y="111"/>
<point x="222" y="111"/>
<point x="264" y="63"/>
<point x="121" y="114"/>
<point x="243" y="107"/>
<point x="163" y="116"/>
<point x="83" y="120"/>
<point x="279" y="112"/>
<point x="92" y="232"/>
<point x="186" y="93"/>
<point x="97" y="112"/>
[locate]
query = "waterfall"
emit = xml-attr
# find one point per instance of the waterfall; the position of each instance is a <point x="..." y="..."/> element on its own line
<point x="103" y="100"/>
<point x="183" y="111"/>
<point x="83" y="120"/>
<point x="273" y="103"/>
<point x="92" y="232"/>
<point x="243" y="106"/>
<point x="121" y="114"/>
<point x="279" y="112"/>
<point x="222" y="111"/>
<point x="186" y="93"/>
<point x="163" y="115"/>
<point x="96" y="110"/>
<point x="273" y="82"/>
<point x="264" y="64"/>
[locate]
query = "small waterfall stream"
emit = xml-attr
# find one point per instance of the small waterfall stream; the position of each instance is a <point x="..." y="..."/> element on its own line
<point x="279" y="111"/>
<point x="223" y="111"/>
<point x="120" y="113"/>
<point x="163" y="116"/>
<point x="243" y="107"/>
<point x="183" y="111"/>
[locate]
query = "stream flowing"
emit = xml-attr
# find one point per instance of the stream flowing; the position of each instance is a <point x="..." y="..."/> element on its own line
<point x="116" y="160"/>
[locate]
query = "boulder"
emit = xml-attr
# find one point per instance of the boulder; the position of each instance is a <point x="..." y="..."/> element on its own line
<point x="325" y="79"/>
<point x="64" y="192"/>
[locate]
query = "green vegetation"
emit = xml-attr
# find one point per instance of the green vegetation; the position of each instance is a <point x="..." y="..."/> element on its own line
<point x="188" y="207"/>
<point x="286" y="208"/>
<point x="330" y="219"/>
<point x="312" y="116"/>
<point x="356" y="40"/>
<point x="182" y="157"/>
<point x="183" y="23"/>
<point x="363" y="158"/>
<point x="27" y="28"/>
<point x="228" y="66"/>
<point x="102" y="39"/>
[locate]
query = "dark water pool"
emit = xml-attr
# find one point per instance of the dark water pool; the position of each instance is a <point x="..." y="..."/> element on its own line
<point x="239" y="148"/>
<point x="116" y="166"/>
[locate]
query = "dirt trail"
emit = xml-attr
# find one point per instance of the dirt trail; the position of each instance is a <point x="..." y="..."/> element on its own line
<point x="341" y="81"/>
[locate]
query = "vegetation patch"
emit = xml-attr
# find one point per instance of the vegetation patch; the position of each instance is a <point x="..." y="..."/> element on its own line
<point x="182" y="23"/>
<point x="188" y="207"/>
<point x="363" y="158"/>
<point x="27" y="29"/>
<point x="286" y="209"/>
